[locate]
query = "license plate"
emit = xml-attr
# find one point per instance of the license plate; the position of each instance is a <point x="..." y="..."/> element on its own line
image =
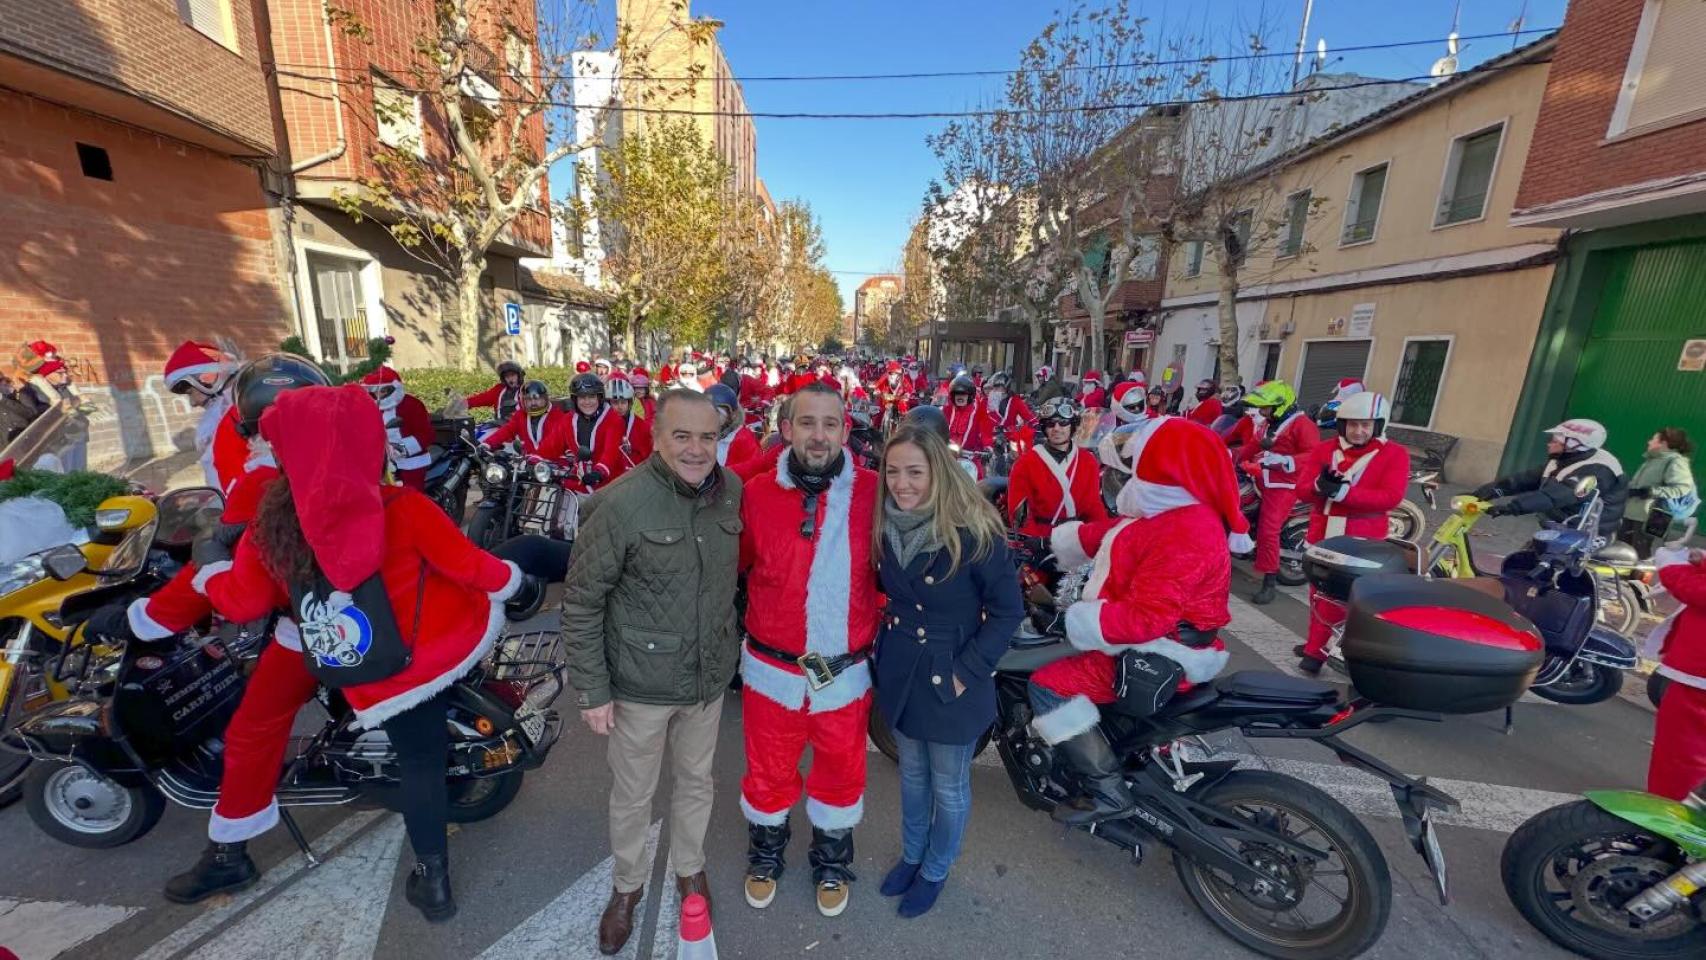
<point x="1435" y="858"/>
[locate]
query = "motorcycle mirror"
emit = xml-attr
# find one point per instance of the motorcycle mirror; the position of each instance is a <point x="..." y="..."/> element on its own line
<point x="64" y="562"/>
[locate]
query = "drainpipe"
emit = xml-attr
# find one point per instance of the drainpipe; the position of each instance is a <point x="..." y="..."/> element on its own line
<point x="337" y="101"/>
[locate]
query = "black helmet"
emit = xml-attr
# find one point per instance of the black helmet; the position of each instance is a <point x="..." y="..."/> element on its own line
<point x="261" y="380"/>
<point x="999" y="380"/>
<point x="963" y="384"/>
<point x="535" y="388"/>
<point x="586" y="385"/>
<point x="930" y="418"/>
<point x="508" y="367"/>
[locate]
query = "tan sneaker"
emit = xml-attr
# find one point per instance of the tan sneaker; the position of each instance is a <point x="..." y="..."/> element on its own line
<point x="760" y="891"/>
<point x="832" y="896"/>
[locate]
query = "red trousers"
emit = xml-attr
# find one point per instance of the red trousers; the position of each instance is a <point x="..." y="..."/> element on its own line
<point x="1089" y="674"/>
<point x="255" y="742"/>
<point x="1324" y="615"/>
<point x="776" y="737"/>
<point x="1276" y="508"/>
<point x="1679" y="743"/>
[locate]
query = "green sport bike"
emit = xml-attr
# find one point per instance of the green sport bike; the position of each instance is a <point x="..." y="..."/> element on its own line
<point x="1620" y="875"/>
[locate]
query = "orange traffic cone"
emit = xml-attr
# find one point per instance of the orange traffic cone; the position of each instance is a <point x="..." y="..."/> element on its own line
<point x="696" y="942"/>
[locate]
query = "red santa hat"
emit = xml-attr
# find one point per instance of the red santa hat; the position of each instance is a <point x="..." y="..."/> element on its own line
<point x="893" y="366"/>
<point x="582" y="366"/>
<point x="386" y="386"/>
<point x="1349" y="386"/>
<point x="43" y="349"/>
<point x="1128" y="401"/>
<point x="1092" y="376"/>
<point x="193" y="360"/>
<point x="334" y="475"/>
<point x="52" y="366"/>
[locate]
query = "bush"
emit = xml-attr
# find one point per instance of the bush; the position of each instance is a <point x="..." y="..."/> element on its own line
<point x="433" y="385"/>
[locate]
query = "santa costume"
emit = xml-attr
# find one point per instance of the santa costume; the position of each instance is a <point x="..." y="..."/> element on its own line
<point x="816" y="595"/>
<point x="1049" y="488"/>
<point x="1128" y="402"/>
<point x="968" y="427"/>
<point x="636" y="443"/>
<point x="1159" y="583"/>
<point x="590" y="441"/>
<point x="1351" y="489"/>
<point x="1679" y="737"/>
<point x="1207" y="409"/>
<point x="1275" y="470"/>
<point x="894" y="393"/>
<point x="356" y="528"/>
<point x="220" y="448"/>
<point x="408" y="427"/>
<point x="1090" y="391"/>
<point x="1012" y="416"/>
<point x="528" y="428"/>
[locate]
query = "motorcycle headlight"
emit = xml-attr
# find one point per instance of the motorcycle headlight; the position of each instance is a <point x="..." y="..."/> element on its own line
<point x="542" y="472"/>
<point x="112" y="519"/>
<point x="21" y="573"/>
<point x="495" y="473"/>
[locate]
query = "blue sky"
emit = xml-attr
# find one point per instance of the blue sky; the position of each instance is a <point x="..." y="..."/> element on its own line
<point x="866" y="178"/>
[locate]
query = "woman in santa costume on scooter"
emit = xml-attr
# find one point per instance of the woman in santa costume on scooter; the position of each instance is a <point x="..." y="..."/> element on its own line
<point x="636" y="443"/>
<point x="588" y="438"/>
<point x="968" y="422"/>
<point x="330" y="514"/>
<point x="1351" y="482"/>
<point x="536" y="419"/>
<point x="1159" y="585"/>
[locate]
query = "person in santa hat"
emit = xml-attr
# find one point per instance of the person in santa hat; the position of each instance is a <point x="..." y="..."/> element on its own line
<point x="1327" y="417"/>
<point x="1046" y="386"/>
<point x="1288" y="438"/>
<point x="895" y="393"/>
<point x="603" y="368"/>
<point x="968" y="421"/>
<point x="201" y="374"/>
<point x="1678" y="764"/>
<point x="687" y="376"/>
<point x="1128" y="405"/>
<point x="1010" y="417"/>
<point x="1091" y="395"/>
<point x="581" y="366"/>
<point x="504" y="397"/>
<point x="735" y="443"/>
<point x="536" y="420"/>
<point x="645" y="405"/>
<point x="1159" y="584"/>
<point x="330" y="515"/>
<point x="806" y="550"/>
<point x="1207" y="406"/>
<point x="408" y="426"/>
<point x="636" y="443"/>
<point x="1055" y="481"/>
<point x="589" y="438"/>
<point x="1351" y="483"/>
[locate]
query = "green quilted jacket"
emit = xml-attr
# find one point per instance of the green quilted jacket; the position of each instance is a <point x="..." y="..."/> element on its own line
<point x="649" y="601"/>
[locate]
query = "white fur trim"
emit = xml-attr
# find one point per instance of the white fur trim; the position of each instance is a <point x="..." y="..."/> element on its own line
<point x="287" y="635"/>
<point x="1068" y="720"/>
<point x="144" y="626"/>
<point x="1240" y="543"/>
<point x="195" y="370"/>
<point x="759" y="817"/>
<point x="1084" y="631"/>
<point x="826" y="817"/>
<point x="511" y="585"/>
<point x="204" y="574"/>
<point x="1068" y="549"/>
<point x="1143" y="498"/>
<point x="1686" y="679"/>
<point x="786" y="688"/>
<point x="384" y="710"/>
<point x="829" y="588"/>
<point x="1084" y="626"/>
<point x="228" y="830"/>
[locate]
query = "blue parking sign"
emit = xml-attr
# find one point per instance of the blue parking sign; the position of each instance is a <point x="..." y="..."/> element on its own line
<point x="512" y="319"/>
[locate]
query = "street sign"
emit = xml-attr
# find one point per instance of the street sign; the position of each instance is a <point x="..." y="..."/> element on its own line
<point x="1139" y="338"/>
<point x="512" y="319"/>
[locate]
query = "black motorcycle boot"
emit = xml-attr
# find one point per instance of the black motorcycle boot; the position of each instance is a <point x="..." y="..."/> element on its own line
<point x="1106" y="796"/>
<point x="832" y="869"/>
<point x="428" y="889"/>
<point x="766" y="853"/>
<point x="223" y="868"/>
<point x="1266" y="594"/>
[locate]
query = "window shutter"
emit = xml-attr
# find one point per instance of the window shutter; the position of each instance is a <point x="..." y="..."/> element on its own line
<point x="1370" y="185"/>
<point x="1467" y="198"/>
<point x="1674" y="71"/>
<point x="1325" y="363"/>
<point x="206" y="16"/>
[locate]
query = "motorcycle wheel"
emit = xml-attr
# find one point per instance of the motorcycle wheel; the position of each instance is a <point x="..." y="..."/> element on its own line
<point x="1355" y="887"/>
<point x="883" y="738"/>
<point x="79" y="807"/>
<point x="1656" y="684"/>
<point x="12" y="769"/>
<point x="1585" y="683"/>
<point x="1291" y="541"/>
<point x="1619" y="608"/>
<point x="1405" y="521"/>
<point x="482" y="528"/>
<point x="1569" y="871"/>
<point x="474" y="800"/>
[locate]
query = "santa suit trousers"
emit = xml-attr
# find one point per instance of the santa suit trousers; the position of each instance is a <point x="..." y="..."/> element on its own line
<point x="1276" y="509"/>
<point x="1679" y="743"/>
<point x="1325" y="613"/>
<point x="776" y="737"/>
<point x="254" y="744"/>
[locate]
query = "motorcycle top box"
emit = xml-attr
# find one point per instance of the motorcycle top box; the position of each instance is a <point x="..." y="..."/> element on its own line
<point x="1437" y="646"/>
<point x="1334" y="564"/>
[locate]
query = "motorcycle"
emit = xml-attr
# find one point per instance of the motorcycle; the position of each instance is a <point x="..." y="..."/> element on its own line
<point x="453" y="461"/>
<point x="522" y="495"/>
<point x="1620" y="875"/>
<point x="1292" y="533"/>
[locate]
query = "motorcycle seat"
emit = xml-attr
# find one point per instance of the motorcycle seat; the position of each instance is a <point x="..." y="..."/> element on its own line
<point x="1033" y="656"/>
<point x="1619" y="553"/>
<point x="1277" y="688"/>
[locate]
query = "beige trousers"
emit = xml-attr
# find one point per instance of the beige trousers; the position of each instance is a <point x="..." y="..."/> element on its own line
<point x="636" y="755"/>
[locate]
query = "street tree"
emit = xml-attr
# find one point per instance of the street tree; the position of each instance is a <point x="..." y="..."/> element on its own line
<point x="751" y="249"/>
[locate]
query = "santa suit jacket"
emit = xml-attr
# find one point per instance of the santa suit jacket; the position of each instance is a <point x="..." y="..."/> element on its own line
<point x="229" y="452"/>
<point x="1206" y="412"/>
<point x="504" y="400"/>
<point x="409" y="430"/>
<point x="1377" y="473"/>
<point x="1014" y="417"/>
<point x="805" y="595"/>
<point x="563" y="444"/>
<point x="968" y="426"/>
<point x="636" y="444"/>
<point x="764" y="463"/>
<point x="1276" y="468"/>
<point x="738" y="447"/>
<point x="531" y="431"/>
<point x="427" y="565"/>
<point x="1683" y="657"/>
<point x="1052" y="492"/>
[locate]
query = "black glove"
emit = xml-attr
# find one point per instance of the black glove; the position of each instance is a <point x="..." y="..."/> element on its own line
<point x="210" y="548"/>
<point x="593" y="477"/>
<point x="111" y="621"/>
<point x="1502" y="508"/>
<point x="1642" y="492"/>
<point x="527" y="599"/>
<point x="1328" y="482"/>
<point x="1486" y="491"/>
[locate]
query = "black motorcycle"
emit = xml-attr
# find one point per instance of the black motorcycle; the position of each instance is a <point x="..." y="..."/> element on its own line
<point x="145" y="722"/>
<point x="523" y="495"/>
<point x="451" y="472"/>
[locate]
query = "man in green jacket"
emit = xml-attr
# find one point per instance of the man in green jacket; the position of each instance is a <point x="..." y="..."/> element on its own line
<point x="649" y="621"/>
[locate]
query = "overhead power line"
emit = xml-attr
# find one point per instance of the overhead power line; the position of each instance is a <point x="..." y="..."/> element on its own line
<point x="945" y="74"/>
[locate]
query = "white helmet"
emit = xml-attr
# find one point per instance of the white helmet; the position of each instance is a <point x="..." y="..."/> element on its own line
<point x="1366" y="405"/>
<point x="619" y="389"/>
<point x="1578" y="433"/>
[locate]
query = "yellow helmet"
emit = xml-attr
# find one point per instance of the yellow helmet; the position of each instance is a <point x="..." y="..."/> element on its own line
<point x="1275" y="394"/>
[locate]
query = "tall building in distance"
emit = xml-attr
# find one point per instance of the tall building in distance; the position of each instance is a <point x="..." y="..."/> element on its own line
<point x="873" y="308"/>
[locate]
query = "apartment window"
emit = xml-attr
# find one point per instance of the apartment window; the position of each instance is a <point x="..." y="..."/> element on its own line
<point x="1270" y="357"/>
<point x="518" y="53"/>
<point x="1469" y="176"/>
<point x="210" y="18"/>
<point x="1296" y="218"/>
<point x="1666" y="72"/>
<point x="1193" y="258"/>
<point x="340" y="309"/>
<point x="397" y="113"/>
<point x="1362" y="212"/>
<point x="1237" y="238"/>
<point x="1419" y="376"/>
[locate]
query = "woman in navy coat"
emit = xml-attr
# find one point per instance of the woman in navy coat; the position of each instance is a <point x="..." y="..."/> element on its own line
<point x="954" y="602"/>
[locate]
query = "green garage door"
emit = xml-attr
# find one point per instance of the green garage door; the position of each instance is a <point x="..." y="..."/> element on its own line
<point x="1652" y="304"/>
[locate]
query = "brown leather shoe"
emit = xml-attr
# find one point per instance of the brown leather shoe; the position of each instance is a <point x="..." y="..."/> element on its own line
<point x="617" y="924"/>
<point x="687" y="886"/>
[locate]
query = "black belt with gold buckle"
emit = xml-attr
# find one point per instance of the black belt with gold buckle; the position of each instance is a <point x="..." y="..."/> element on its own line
<point x="820" y="670"/>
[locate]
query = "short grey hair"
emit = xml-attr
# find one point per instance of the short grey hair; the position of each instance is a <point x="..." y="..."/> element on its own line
<point x="675" y="396"/>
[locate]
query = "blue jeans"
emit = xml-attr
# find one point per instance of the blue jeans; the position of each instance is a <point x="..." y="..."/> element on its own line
<point x="935" y="802"/>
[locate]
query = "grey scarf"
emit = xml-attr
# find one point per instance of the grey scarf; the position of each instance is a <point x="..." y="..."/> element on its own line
<point x="909" y="532"/>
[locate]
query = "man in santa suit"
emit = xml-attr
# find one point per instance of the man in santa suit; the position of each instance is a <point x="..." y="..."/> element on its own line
<point x="1352" y="482"/>
<point x="1127" y="402"/>
<point x="408" y="426"/>
<point x="1159" y="585"/>
<point x="1055" y="481"/>
<point x="636" y="443"/>
<point x="735" y="444"/>
<point x="813" y="596"/>
<point x="537" y="418"/>
<point x="588" y="438"/>
<point x="755" y="394"/>
<point x="687" y="376"/>
<point x="894" y="393"/>
<point x="708" y="371"/>
<point x="1274" y="461"/>
<point x="603" y="368"/>
<point x="1010" y="417"/>
<point x="645" y="405"/>
<point x="504" y="397"/>
<point x="920" y="379"/>
<point x="1207" y="407"/>
<point x="805" y="374"/>
<point x="200" y="373"/>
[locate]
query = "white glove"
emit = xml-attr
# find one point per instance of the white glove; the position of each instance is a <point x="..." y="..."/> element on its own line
<point x="1272" y="459"/>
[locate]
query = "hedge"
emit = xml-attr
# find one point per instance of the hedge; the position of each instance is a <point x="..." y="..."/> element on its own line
<point x="433" y="384"/>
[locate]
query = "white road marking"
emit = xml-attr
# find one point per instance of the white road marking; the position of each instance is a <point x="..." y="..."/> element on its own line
<point x="44" y="929"/>
<point x="567" y="927"/>
<point x="667" y="938"/>
<point x="217" y="918"/>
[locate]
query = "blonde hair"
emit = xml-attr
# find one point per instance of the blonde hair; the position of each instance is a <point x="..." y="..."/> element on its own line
<point x="955" y="501"/>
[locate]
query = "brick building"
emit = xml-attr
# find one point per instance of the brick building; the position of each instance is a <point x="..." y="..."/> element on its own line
<point x="132" y="214"/>
<point x="1619" y="160"/>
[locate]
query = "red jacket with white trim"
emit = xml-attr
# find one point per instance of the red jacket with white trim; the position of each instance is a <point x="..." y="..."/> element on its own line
<point x="740" y="446"/>
<point x="531" y="431"/>
<point x="1276" y="468"/>
<point x="563" y="444"/>
<point x="1035" y="484"/>
<point x="636" y="443"/>
<point x="1378" y="473"/>
<point x="1684" y="655"/>
<point x="409" y="430"/>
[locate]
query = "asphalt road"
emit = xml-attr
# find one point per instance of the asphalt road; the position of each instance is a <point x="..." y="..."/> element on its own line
<point x="532" y="881"/>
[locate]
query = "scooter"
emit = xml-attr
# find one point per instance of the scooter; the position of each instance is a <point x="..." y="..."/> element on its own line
<point x="1620" y="875"/>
